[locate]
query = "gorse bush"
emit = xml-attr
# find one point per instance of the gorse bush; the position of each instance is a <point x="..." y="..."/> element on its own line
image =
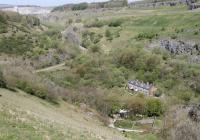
<point x="146" y="35"/>
<point x="115" y="23"/>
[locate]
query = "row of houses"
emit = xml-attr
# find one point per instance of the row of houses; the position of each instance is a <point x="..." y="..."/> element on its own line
<point x="141" y="87"/>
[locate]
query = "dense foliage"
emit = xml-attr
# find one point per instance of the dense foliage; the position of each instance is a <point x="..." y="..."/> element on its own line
<point x="80" y="6"/>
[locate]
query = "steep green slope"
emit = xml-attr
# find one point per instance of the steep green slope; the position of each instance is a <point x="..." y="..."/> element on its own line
<point x="16" y="33"/>
<point x="25" y="117"/>
<point x="24" y="35"/>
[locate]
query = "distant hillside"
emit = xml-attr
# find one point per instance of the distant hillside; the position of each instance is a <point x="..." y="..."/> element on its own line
<point x="25" y="36"/>
<point x="5" y="6"/>
<point x="83" y="6"/>
<point x="26" y="9"/>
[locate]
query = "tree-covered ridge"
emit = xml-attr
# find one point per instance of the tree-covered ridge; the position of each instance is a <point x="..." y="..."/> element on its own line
<point x="84" y="5"/>
<point x="25" y="35"/>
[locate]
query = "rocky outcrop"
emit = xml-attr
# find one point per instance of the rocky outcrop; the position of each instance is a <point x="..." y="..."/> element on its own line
<point x="192" y="50"/>
<point x="71" y="34"/>
<point x="28" y="10"/>
<point x="180" y="47"/>
<point x="193" y="6"/>
<point x="156" y="4"/>
<point x="194" y="113"/>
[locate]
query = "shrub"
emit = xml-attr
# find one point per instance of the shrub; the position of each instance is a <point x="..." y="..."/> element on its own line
<point x="115" y="23"/>
<point x="95" y="48"/>
<point x="196" y="32"/>
<point x="85" y="43"/>
<point x="185" y="96"/>
<point x="2" y="80"/>
<point x="126" y="58"/>
<point x="96" y="23"/>
<point x="90" y="39"/>
<point x="146" y="35"/>
<point x="70" y="21"/>
<point x="173" y="36"/>
<point x="136" y="106"/>
<point x="108" y="35"/>
<point x="154" y="107"/>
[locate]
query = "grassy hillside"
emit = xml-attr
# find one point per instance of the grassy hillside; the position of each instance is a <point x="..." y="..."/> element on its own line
<point x="26" y="37"/>
<point x="25" y="117"/>
<point x="16" y="33"/>
<point x="120" y="45"/>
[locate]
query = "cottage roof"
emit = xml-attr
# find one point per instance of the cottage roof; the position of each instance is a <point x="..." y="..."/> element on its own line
<point x="123" y="111"/>
<point x="137" y="83"/>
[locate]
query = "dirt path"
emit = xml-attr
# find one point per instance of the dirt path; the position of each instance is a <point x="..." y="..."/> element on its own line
<point x="52" y="68"/>
<point x="112" y="125"/>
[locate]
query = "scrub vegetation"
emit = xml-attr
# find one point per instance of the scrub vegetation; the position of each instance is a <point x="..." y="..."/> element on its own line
<point x="114" y="46"/>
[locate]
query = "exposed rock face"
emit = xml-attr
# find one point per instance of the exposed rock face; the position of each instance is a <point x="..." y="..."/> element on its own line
<point x="194" y="113"/>
<point x="192" y="50"/>
<point x="194" y="59"/>
<point x="180" y="47"/>
<point x="156" y="4"/>
<point x="28" y="10"/>
<point x="192" y="6"/>
<point x="71" y="34"/>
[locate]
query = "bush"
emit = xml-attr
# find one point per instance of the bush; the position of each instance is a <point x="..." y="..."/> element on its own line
<point x="97" y="23"/>
<point x="115" y="23"/>
<point x="136" y="106"/>
<point x="2" y="80"/>
<point x="185" y="96"/>
<point x="146" y="35"/>
<point x="173" y="36"/>
<point x="95" y="48"/>
<point x="154" y="107"/>
<point x="109" y="35"/>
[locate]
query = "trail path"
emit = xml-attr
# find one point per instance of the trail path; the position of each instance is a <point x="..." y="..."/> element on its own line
<point x="112" y="125"/>
<point x="52" y="68"/>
